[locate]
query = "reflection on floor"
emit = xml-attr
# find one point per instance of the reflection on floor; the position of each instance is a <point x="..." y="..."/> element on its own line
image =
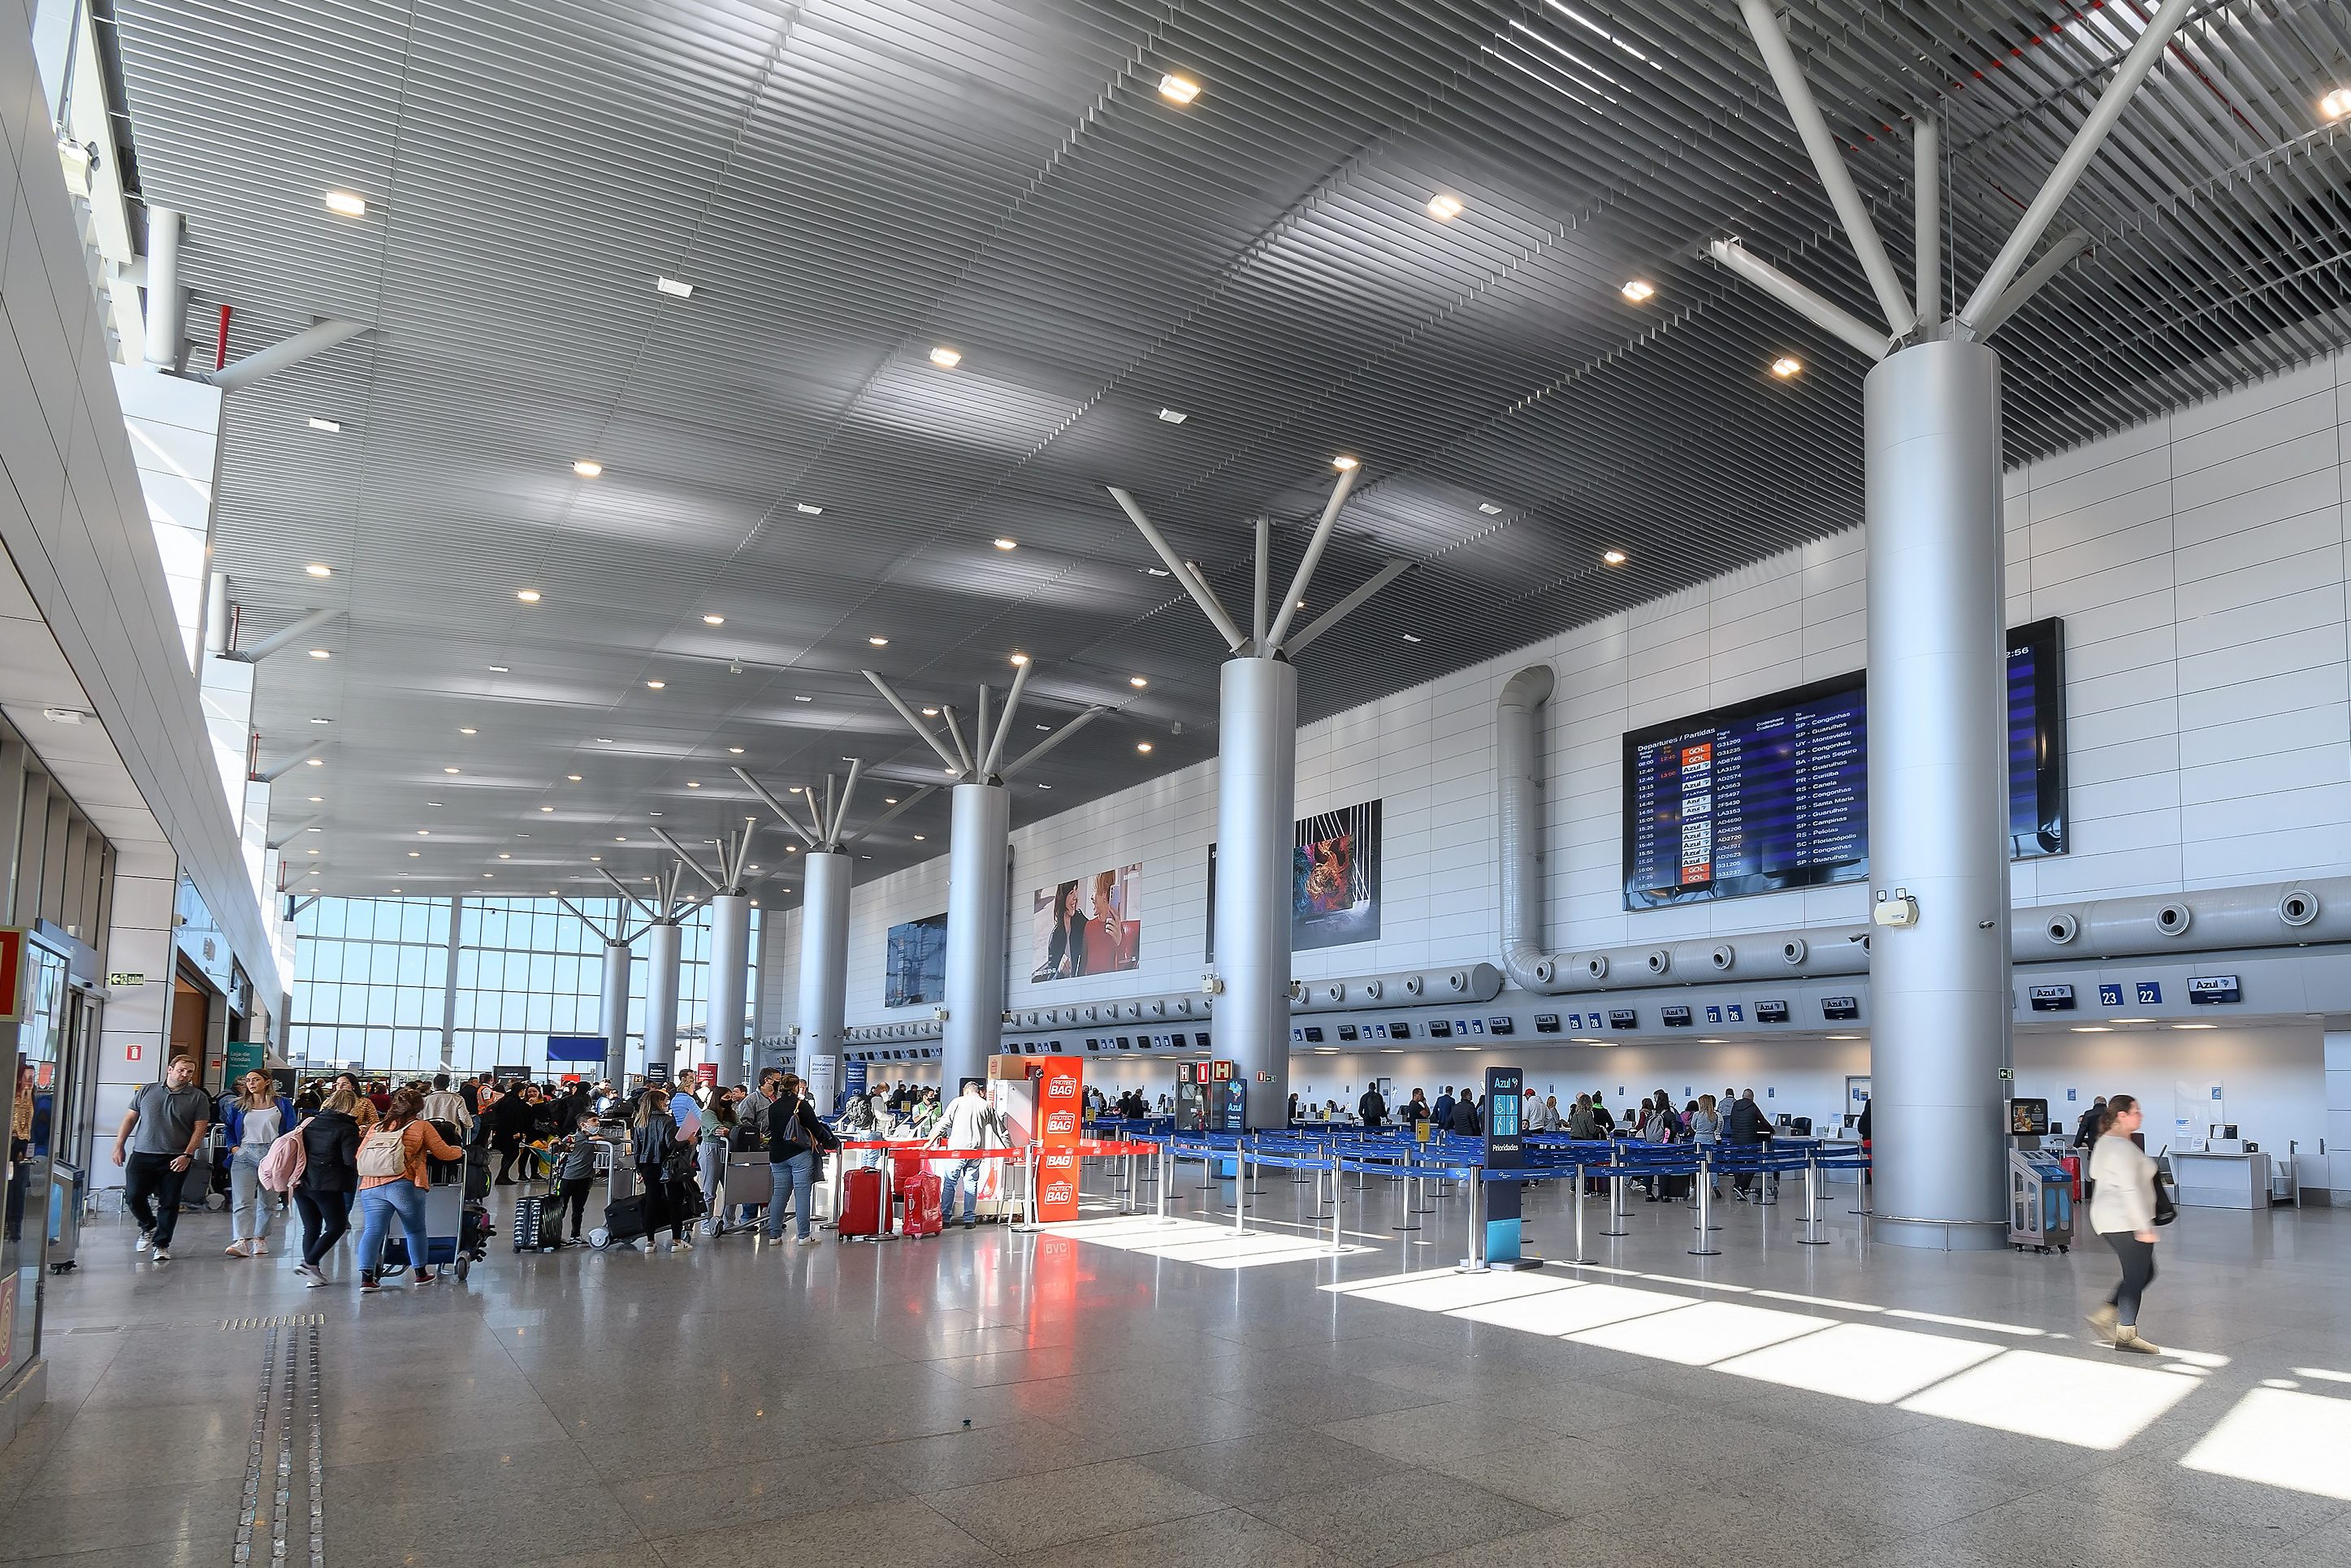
<point x="1131" y="1390"/>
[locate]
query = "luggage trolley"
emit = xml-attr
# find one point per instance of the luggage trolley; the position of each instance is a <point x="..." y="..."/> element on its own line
<point x="457" y="1216"/>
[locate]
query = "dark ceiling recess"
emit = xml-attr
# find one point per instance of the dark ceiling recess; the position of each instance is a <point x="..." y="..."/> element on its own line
<point x="848" y="187"/>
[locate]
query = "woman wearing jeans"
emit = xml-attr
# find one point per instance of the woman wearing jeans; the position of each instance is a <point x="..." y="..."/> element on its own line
<point x="2122" y="1209"/>
<point x="330" y="1176"/>
<point x="392" y="1180"/>
<point x="256" y="1117"/>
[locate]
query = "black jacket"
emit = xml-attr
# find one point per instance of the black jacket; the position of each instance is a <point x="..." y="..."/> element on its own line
<point x="1372" y="1109"/>
<point x="1745" y="1124"/>
<point x="796" y="1132"/>
<point x="331" y="1153"/>
<point x="1466" y="1118"/>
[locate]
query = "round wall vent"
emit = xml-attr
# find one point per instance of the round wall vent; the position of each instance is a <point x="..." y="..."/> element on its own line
<point x="1597" y="967"/>
<point x="2298" y="907"/>
<point x="1793" y="951"/>
<point x="2062" y="928"/>
<point x="1724" y="957"/>
<point x="1659" y="961"/>
<point x="1414" y="985"/>
<point x="2174" y="919"/>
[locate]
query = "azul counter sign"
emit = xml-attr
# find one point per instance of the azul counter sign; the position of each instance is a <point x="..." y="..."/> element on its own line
<point x="2212" y="990"/>
<point x="1505" y="1150"/>
<point x="2051" y="999"/>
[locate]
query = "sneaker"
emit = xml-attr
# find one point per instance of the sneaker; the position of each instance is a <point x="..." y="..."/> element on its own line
<point x="258" y="1248"/>
<point x="683" y="1243"/>
<point x="160" y="1255"/>
<point x="423" y="1279"/>
<point x="237" y="1250"/>
<point x="368" y="1286"/>
<point x="809" y="1240"/>
<point x="146" y="1239"/>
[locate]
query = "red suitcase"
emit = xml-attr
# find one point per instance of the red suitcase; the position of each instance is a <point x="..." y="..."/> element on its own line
<point x="864" y="1211"/>
<point x="907" y="1168"/>
<point x="923" y="1216"/>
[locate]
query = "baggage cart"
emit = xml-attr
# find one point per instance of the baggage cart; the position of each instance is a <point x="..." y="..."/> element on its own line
<point x="452" y="1237"/>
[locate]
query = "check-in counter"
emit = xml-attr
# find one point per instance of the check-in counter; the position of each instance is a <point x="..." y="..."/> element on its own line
<point x="2221" y="1181"/>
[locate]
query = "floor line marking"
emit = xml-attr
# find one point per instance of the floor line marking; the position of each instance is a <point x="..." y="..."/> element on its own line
<point x="282" y="1498"/>
<point x="248" y="1508"/>
<point x="318" y="1465"/>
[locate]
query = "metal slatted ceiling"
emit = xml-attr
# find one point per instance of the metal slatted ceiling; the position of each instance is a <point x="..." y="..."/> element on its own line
<point x="851" y="183"/>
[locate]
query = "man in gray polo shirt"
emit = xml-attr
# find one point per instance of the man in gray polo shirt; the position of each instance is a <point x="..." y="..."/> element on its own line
<point x="157" y="1144"/>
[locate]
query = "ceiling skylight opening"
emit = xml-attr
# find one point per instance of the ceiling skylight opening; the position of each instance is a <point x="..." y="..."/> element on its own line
<point x="1588" y="24"/>
<point x="1444" y="208"/>
<point x="1178" y="89"/>
<point x="1569" y="55"/>
<point x="946" y="359"/>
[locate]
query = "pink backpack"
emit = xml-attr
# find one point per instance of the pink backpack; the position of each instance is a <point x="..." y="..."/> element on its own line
<point x="283" y="1166"/>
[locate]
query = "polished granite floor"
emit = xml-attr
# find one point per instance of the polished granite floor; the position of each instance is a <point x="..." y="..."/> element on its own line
<point x="1121" y="1391"/>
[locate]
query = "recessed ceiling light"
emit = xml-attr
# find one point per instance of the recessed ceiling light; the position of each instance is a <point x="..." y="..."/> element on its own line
<point x="1044" y="786"/>
<point x="879" y="641"/>
<point x="317" y="569"/>
<point x="1613" y="557"/>
<point x="596" y="858"/>
<point x="448" y="770"/>
<point x="1007" y="544"/>
<point x="1043" y="727"/>
<point x="587" y="469"/>
<point x="2093" y="1029"/>
<point x="1490" y="509"/>
<point x="946" y="359"/>
<point x="528" y="595"/>
<point x="1786" y="365"/>
<point x="691" y="784"/>
<point x="799" y="698"/>
<point x="573" y="777"/>
<point x="1410" y="638"/>
<point x="433" y="803"/>
<point x="930" y="713"/>
<point x="498" y="669"/>
<point x="655" y="685"/>
<point x="349" y="206"/>
<point x="466" y="732"/>
<point x="1636" y="290"/>
<point x="1020" y="659"/>
<point x="918" y="838"/>
<point x="320" y="653"/>
<point x="2196" y="1026"/>
<point x="332" y="427"/>
<point x="506" y="857"/>
<point x="546" y="808"/>
<point x="322" y="721"/>
<point x="619" y="839"/>
<point x="713" y="621"/>
<point x="423" y="832"/>
<point x="653" y="813"/>
<point x="1142" y="746"/>
<point x="1155" y="571"/>
<point x="1342" y="464"/>
<point x="317" y="799"/>
<point x="736" y="750"/>
<point x="413" y="854"/>
<point x="1173" y="416"/>
<point x="673" y="288"/>
<point x="317" y="762"/>
<point x="1137" y="682"/>
<point x="1444" y="208"/>
<point x="1178" y="89"/>
<point x="811" y="511"/>
<point x="889" y="799"/>
<point x="487" y="875"/>
<point x="2335" y="104"/>
<point x="603" y="740"/>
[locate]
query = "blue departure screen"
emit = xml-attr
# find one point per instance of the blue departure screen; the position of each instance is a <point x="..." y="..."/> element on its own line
<point x="1774" y="794"/>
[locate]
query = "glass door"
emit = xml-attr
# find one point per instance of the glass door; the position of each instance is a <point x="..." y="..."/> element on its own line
<point x="23" y="1244"/>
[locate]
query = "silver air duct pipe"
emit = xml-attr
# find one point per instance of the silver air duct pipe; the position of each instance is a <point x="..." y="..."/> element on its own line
<point x="1518" y="819"/>
<point x="2267" y="915"/>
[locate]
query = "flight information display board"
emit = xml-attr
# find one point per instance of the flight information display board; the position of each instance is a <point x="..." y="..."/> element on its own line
<point x="1774" y="793"/>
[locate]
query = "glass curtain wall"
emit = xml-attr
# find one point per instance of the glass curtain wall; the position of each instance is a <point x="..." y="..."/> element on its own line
<point x="373" y="985"/>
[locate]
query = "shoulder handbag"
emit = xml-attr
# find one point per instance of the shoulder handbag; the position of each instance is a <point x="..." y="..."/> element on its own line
<point x="2166" y="1211"/>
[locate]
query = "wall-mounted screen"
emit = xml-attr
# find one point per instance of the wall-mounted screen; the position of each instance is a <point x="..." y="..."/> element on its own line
<point x="918" y="962"/>
<point x="1774" y="793"/>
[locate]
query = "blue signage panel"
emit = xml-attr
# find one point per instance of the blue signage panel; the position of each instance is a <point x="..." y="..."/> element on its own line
<point x="1505" y="1150"/>
<point x="2150" y="993"/>
<point x="2110" y="995"/>
<point x="576" y="1047"/>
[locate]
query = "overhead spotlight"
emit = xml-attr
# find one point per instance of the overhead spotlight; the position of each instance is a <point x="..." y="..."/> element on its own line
<point x="800" y="698"/>
<point x="596" y="860"/>
<point x="1178" y="89"/>
<point x="506" y="857"/>
<point x="573" y="777"/>
<point x="448" y="770"/>
<point x="879" y="641"/>
<point x="1020" y="659"/>
<point x="1613" y="557"/>
<point x="498" y="669"/>
<point x="713" y="621"/>
<point x="1007" y="544"/>
<point x="736" y="750"/>
<point x="930" y="713"/>
<point x="1342" y="464"/>
<point x="349" y="206"/>
<point x="1155" y="571"/>
<point x="332" y="427"/>
<point x="1636" y="290"/>
<point x="528" y="595"/>
<point x="317" y="762"/>
<point x="673" y="288"/>
<point x="655" y="685"/>
<point x="1137" y="682"/>
<point x="1444" y="208"/>
<point x="946" y="359"/>
<point x="320" y="653"/>
<point x="1490" y="509"/>
<point x="918" y="838"/>
<point x="546" y="808"/>
<point x="1173" y="416"/>
<point x="603" y="740"/>
<point x="1142" y="746"/>
<point x="318" y="569"/>
<point x="318" y="799"/>
<point x="691" y="784"/>
<point x="322" y="721"/>
<point x="889" y="799"/>
<point x="466" y="732"/>
<point x="811" y="511"/>
<point x="2335" y="104"/>
<point x="423" y="832"/>
<point x="413" y="854"/>
<point x="1410" y="638"/>
<point x="1786" y="365"/>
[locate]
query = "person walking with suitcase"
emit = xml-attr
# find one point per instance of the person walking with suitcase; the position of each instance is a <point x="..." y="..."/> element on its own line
<point x="392" y="1180"/>
<point x="169" y="1120"/>
<point x="329" y="1180"/>
<point x="795" y="1134"/>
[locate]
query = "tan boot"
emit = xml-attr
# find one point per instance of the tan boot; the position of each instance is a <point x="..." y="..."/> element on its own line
<point x="2127" y="1339"/>
<point x="2102" y="1322"/>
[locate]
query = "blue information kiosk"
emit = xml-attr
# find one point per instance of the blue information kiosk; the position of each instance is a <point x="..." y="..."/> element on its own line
<point x="1505" y="1150"/>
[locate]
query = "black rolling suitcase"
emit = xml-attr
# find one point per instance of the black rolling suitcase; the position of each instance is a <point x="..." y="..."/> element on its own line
<point x="624" y="1220"/>
<point x="537" y="1223"/>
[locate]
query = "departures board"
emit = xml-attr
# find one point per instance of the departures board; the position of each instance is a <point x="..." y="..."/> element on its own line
<point x="1774" y="793"/>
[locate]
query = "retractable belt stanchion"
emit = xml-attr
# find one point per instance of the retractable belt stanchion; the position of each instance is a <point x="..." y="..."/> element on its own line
<point x="1861" y="1203"/>
<point x="1475" y="1263"/>
<point x="1705" y="1212"/>
<point x="1812" y="1237"/>
<point x="1581" y="1256"/>
<point x="1767" y="1180"/>
<point x="1706" y="1182"/>
<point x="1617" y="1212"/>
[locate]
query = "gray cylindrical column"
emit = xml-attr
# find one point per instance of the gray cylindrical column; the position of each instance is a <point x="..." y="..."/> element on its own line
<point x="730" y="974"/>
<point x="824" y="953"/>
<point x="661" y="994"/>
<point x="1256" y="789"/>
<point x="1939" y="996"/>
<point x="976" y="929"/>
<point x="166" y="303"/>
<point x="615" y="1011"/>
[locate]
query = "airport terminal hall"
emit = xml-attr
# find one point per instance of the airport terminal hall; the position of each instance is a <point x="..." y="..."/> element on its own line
<point x="1175" y="783"/>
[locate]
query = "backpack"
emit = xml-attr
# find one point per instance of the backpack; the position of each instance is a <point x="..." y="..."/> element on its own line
<point x="384" y="1153"/>
<point x="283" y="1166"/>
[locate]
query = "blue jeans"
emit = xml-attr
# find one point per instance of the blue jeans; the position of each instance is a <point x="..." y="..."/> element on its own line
<point x="793" y="1180"/>
<point x="964" y="1171"/>
<point x="251" y="1205"/>
<point x="378" y="1204"/>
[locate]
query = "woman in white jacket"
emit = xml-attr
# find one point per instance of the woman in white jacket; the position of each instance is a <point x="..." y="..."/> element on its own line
<point x="2122" y="1209"/>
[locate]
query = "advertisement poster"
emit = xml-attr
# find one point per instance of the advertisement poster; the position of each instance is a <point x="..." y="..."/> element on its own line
<point x="1334" y="880"/>
<point x="1059" y="1116"/>
<point x="1092" y="926"/>
<point x="916" y="966"/>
